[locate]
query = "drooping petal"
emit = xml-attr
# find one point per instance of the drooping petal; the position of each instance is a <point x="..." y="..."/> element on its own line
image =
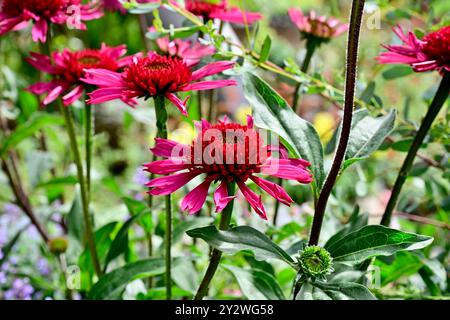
<point x="168" y="148"/>
<point x="55" y="93"/>
<point x="41" y="62"/>
<point x="221" y="197"/>
<point x="195" y="199"/>
<point x="273" y="189"/>
<point x="73" y="95"/>
<point x="234" y="15"/>
<point x="169" y="184"/>
<point x="102" y="77"/>
<point x="180" y="104"/>
<point x="208" y="85"/>
<point x="39" y="31"/>
<point x="42" y="87"/>
<point x="286" y="169"/>
<point x="165" y="166"/>
<point x="253" y="199"/>
<point x="211" y="69"/>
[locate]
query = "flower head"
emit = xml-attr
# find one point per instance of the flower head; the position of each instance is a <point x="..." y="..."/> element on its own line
<point x="68" y="67"/>
<point x="219" y="9"/>
<point x="151" y="76"/>
<point x="318" y="28"/>
<point x="224" y="153"/>
<point x="190" y="52"/>
<point x="430" y="53"/>
<point x="315" y="262"/>
<point x="15" y="15"/>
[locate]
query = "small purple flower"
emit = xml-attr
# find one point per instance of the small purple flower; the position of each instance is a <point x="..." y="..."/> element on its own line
<point x="43" y="267"/>
<point x="2" y="278"/>
<point x="140" y="177"/>
<point x="20" y="290"/>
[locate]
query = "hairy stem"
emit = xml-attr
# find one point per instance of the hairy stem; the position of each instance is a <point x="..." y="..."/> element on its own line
<point x="216" y="254"/>
<point x="161" y="125"/>
<point x="83" y="188"/>
<point x="350" y="81"/>
<point x="436" y="105"/>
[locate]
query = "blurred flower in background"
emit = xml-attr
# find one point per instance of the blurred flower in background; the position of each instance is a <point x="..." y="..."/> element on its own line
<point x="20" y="290"/>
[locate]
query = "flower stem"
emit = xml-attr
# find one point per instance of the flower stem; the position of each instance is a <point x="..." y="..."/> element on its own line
<point x="83" y="190"/>
<point x="89" y="119"/>
<point x="310" y="49"/>
<point x="350" y="81"/>
<point x="436" y="105"/>
<point x="216" y="254"/>
<point x="161" y="120"/>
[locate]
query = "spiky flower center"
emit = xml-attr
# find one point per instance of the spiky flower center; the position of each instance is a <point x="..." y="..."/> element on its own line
<point x="315" y="262"/>
<point x="43" y="8"/>
<point x="437" y="45"/>
<point x="228" y="151"/>
<point x="204" y="7"/>
<point x="157" y="74"/>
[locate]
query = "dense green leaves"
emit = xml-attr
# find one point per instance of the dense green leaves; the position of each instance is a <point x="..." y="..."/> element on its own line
<point x="334" y="291"/>
<point x="112" y="284"/>
<point x="241" y="238"/>
<point x="271" y="112"/>
<point x="34" y="124"/>
<point x="374" y="240"/>
<point x="257" y="284"/>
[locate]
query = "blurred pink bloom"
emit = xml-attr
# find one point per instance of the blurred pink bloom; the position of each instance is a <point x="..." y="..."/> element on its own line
<point x="67" y="68"/>
<point x="430" y="53"/>
<point x="224" y="153"/>
<point x="15" y="15"/>
<point x="219" y="9"/>
<point x="154" y="75"/>
<point x="319" y="28"/>
<point x="190" y="52"/>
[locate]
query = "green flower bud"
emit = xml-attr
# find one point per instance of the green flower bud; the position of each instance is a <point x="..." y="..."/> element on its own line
<point x="58" y="245"/>
<point x="315" y="262"/>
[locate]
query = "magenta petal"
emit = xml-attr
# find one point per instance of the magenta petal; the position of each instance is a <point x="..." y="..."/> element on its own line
<point x="250" y="121"/>
<point x="234" y="15"/>
<point x="221" y="197"/>
<point x="41" y="62"/>
<point x="39" y="31"/>
<point x="180" y="104"/>
<point x="212" y="68"/>
<point x="42" y="87"/>
<point x="55" y="93"/>
<point x="73" y="95"/>
<point x="286" y="169"/>
<point x="170" y="184"/>
<point x="165" y="166"/>
<point x="253" y="199"/>
<point x="273" y="189"/>
<point x="194" y="200"/>
<point x="207" y="85"/>
<point x="102" y="77"/>
<point x="167" y="148"/>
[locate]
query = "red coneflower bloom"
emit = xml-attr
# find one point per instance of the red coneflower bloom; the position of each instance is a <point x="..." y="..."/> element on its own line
<point x="67" y="68"/>
<point x="319" y="28"/>
<point x="219" y="9"/>
<point x="190" y="52"/>
<point x="430" y="53"/>
<point x="224" y="153"/>
<point x="151" y="76"/>
<point x="15" y="15"/>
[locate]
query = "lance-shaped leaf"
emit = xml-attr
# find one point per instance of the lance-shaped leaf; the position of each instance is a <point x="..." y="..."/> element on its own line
<point x="372" y="241"/>
<point x="271" y="112"/>
<point x="239" y="239"/>
<point x="319" y="290"/>
<point x="257" y="284"/>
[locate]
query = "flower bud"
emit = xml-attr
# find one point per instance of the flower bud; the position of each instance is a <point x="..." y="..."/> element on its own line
<point x="315" y="262"/>
<point x="58" y="245"/>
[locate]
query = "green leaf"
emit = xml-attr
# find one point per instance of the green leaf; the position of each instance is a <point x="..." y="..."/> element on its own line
<point x="7" y="248"/>
<point x="265" y="49"/>
<point x="272" y="113"/>
<point x="372" y="241"/>
<point x="141" y="8"/>
<point x="368" y="133"/>
<point x="397" y="72"/>
<point x="112" y="284"/>
<point x="257" y="284"/>
<point x="241" y="238"/>
<point x="75" y="222"/>
<point x="356" y="222"/>
<point x="334" y="291"/>
<point x="175" y="33"/>
<point x="404" y="264"/>
<point x="58" y="181"/>
<point x="34" y="124"/>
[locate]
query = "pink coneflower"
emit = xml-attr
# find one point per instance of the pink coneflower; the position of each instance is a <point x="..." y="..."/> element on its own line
<point x="15" y="15"/>
<point x="67" y="68"/>
<point x="219" y="9"/>
<point x="224" y="153"/>
<point x="190" y="52"/>
<point x="319" y="28"/>
<point x="430" y="53"/>
<point x="154" y="75"/>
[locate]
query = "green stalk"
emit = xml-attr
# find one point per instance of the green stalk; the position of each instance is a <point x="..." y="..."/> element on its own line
<point x="216" y="254"/>
<point x="89" y="119"/>
<point x="83" y="190"/>
<point x="436" y="105"/>
<point x="161" y="120"/>
<point x="311" y="46"/>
